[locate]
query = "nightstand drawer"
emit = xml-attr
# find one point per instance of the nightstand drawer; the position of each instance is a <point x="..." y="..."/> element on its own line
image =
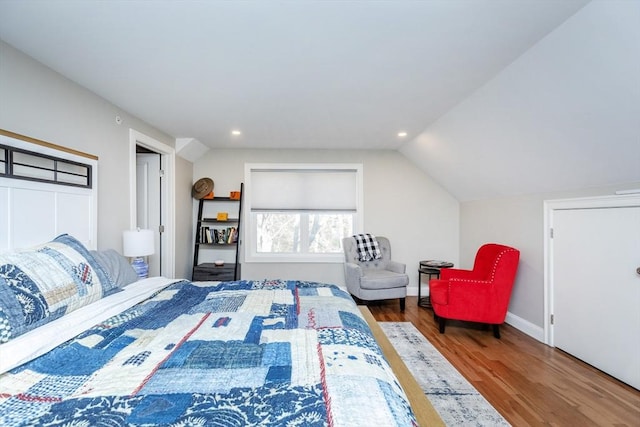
<point x="210" y="272"/>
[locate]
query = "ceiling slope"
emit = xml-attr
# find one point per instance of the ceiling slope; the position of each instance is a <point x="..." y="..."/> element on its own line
<point x="498" y="97"/>
<point x="288" y="74"/>
<point x="564" y="116"/>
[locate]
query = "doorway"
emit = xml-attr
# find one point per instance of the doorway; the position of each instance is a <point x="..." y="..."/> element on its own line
<point x="593" y="292"/>
<point x="149" y="200"/>
<point x="152" y="166"/>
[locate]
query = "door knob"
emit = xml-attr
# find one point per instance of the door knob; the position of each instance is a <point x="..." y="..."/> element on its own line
<point x="638" y="270"/>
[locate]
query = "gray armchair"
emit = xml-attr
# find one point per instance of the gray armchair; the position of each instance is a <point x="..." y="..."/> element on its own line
<point x="374" y="280"/>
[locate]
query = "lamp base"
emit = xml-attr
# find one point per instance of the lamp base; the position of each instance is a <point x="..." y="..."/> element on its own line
<point x="141" y="267"/>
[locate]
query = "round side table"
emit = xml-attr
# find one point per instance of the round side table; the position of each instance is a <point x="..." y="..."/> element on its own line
<point x="432" y="269"/>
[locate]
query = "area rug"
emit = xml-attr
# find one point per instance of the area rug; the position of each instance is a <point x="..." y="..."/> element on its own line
<point x="455" y="399"/>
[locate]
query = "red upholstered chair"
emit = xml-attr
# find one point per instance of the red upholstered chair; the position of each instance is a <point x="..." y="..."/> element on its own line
<point x="479" y="295"/>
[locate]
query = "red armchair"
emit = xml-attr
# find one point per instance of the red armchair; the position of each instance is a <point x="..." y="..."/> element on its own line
<point x="479" y="295"/>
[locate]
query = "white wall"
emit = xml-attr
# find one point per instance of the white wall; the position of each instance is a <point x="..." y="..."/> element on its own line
<point x="401" y="202"/>
<point x="570" y="106"/>
<point x="518" y="221"/>
<point x="184" y="219"/>
<point x="40" y="103"/>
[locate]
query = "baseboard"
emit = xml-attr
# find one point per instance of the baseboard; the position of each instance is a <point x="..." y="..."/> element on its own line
<point x="519" y="323"/>
<point x="525" y="326"/>
<point x="412" y="291"/>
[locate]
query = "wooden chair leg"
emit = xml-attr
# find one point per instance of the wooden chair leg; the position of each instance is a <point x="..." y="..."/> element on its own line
<point x="441" y="324"/>
<point x="402" y="304"/>
<point x="496" y="331"/>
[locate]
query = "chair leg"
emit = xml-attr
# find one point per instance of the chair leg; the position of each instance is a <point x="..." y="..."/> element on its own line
<point x="441" y="324"/>
<point x="402" y="304"/>
<point x="496" y="331"/>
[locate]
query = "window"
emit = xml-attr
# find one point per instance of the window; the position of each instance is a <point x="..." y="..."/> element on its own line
<point x="3" y="160"/>
<point x="32" y="166"/>
<point x="300" y="213"/>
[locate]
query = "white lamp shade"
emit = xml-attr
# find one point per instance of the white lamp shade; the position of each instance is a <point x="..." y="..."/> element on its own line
<point x="137" y="243"/>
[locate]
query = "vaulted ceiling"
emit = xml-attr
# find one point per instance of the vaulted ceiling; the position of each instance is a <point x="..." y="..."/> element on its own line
<point x="286" y="74"/>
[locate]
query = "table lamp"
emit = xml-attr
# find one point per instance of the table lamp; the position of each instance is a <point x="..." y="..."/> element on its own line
<point x="137" y="244"/>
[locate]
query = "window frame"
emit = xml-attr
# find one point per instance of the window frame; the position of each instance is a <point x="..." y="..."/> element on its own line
<point x="250" y="215"/>
<point x="57" y="168"/>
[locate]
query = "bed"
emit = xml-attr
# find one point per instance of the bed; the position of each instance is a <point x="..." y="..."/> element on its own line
<point x="84" y="345"/>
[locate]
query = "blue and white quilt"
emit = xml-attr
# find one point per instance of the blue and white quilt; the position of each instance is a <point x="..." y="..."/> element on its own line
<point x="245" y="353"/>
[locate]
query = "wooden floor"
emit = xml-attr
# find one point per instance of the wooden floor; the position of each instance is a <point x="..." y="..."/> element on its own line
<point x="528" y="382"/>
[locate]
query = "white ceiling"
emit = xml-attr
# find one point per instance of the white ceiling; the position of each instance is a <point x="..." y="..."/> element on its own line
<point x="288" y="74"/>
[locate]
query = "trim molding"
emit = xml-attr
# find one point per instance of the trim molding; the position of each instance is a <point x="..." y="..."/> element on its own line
<point x="525" y="326"/>
<point x="168" y="206"/>
<point x="47" y="144"/>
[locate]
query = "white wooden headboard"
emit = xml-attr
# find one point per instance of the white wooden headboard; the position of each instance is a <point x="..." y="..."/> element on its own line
<point x="33" y="212"/>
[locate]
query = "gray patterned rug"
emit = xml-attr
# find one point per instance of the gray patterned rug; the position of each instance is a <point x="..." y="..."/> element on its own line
<point x="455" y="399"/>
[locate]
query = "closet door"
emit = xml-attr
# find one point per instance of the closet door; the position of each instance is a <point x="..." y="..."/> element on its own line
<point x="148" y="204"/>
<point x="596" y="288"/>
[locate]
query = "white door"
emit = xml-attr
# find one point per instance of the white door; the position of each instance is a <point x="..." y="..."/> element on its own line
<point x="596" y="288"/>
<point x="148" y="203"/>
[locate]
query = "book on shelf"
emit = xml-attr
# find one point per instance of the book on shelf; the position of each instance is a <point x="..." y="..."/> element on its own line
<point x="231" y="231"/>
<point x="220" y="236"/>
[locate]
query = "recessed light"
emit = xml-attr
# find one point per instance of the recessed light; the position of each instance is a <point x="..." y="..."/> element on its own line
<point x="402" y="134"/>
<point x="236" y="132"/>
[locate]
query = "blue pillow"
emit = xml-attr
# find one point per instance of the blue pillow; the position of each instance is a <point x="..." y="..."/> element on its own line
<point x="120" y="272"/>
<point x="43" y="283"/>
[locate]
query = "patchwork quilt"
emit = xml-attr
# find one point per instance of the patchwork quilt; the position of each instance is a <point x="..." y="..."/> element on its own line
<point x="245" y="353"/>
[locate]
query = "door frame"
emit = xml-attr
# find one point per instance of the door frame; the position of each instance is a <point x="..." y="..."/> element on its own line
<point x="149" y="163"/>
<point x="167" y="189"/>
<point x="550" y="206"/>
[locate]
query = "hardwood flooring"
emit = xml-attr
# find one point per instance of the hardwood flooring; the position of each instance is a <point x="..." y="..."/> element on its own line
<point x="528" y="382"/>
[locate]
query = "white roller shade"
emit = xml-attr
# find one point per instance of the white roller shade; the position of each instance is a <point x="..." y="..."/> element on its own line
<point x="304" y="189"/>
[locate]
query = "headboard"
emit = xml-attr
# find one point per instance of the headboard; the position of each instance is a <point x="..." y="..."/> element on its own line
<point x="45" y="190"/>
